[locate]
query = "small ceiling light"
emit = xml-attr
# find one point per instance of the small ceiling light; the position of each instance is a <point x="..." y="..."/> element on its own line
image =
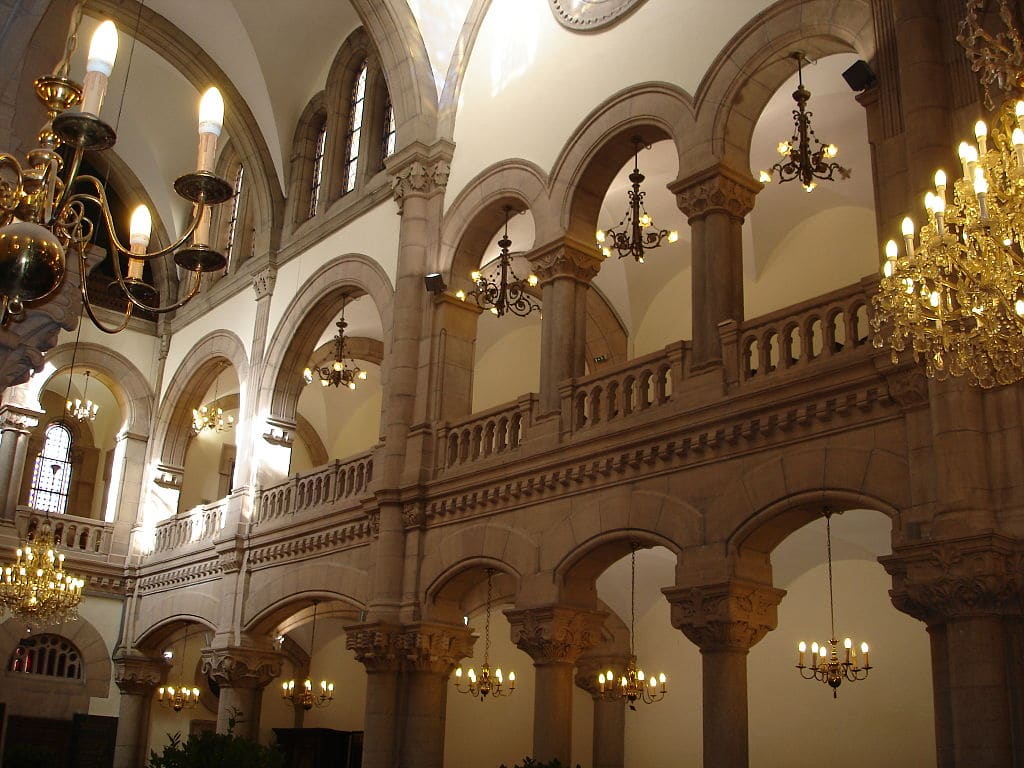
<point x="211" y="417"/>
<point x="505" y="291"/>
<point x="81" y="408"/>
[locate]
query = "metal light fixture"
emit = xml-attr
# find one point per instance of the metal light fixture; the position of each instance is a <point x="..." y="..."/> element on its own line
<point x="487" y="683"/>
<point x="825" y="666"/>
<point x="804" y="157"/>
<point x="45" y="205"/>
<point x="504" y="291"/>
<point x="303" y="696"/>
<point x="342" y="371"/>
<point x="633" y="684"/>
<point x="954" y="294"/>
<point x="81" y="408"/>
<point x="35" y="588"/>
<point x="178" y="697"/>
<point x="636" y="233"/>
<point x="211" y="417"/>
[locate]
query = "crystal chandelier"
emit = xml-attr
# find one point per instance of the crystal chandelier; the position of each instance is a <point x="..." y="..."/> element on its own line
<point x="211" y="417"/>
<point x="804" y="157"/>
<point x="304" y="696"/>
<point x="954" y="293"/>
<point x="342" y="371"/>
<point x="178" y="697"/>
<point x="35" y="588"/>
<point x="636" y="233"/>
<point x="82" y="409"/>
<point x="48" y="206"/>
<point x="487" y="683"/>
<point x="825" y="666"/>
<point x="633" y="684"/>
<point x="505" y="291"/>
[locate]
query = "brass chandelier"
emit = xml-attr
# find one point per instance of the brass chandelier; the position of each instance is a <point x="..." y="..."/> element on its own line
<point x="178" y="697"/>
<point x="504" y="291"/>
<point x="635" y="234"/>
<point x="804" y="157"/>
<point x="825" y="666"/>
<point x="487" y="683"/>
<point x="35" y="588"/>
<point x="633" y="684"/>
<point x="211" y="418"/>
<point x="81" y="408"/>
<point x="49" y="208"/>
<point x="343" y="371"/>
<point x="303" y="695"/>
<point x="954" y="293"/>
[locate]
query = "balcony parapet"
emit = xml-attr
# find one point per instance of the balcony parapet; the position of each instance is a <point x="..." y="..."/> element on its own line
<point x="497" y="433"/>
<point x="76" y="535"/>
<point x="339" y="485"/>
<point x="189" y="530"/>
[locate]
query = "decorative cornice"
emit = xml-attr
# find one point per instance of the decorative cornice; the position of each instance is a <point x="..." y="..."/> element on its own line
<point x="731" y="616"/>
<point x="343" y="536"/>
<point x="241" y="667"/>
<point x="555" y="634"/>
<point x="718" y="189"/>
<point x="263" y="282"/>
<point x="185" y="575"/>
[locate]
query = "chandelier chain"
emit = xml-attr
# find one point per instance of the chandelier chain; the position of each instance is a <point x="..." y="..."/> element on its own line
<point x="487" y="621"/>
<point x="828" y="549"/>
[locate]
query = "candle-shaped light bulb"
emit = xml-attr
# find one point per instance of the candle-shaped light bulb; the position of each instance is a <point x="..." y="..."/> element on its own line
<point x="981" y="132"/>
<point x="1018" y="307"/>
<point x="822" y="652"/>
<point x="764" y="177"/>
<point x="1019" y="110"/>
<point x="102" y="52"/>
<point x="981" y="190"/>
<point x="139" y="229"/>
<point x="929" y="202"/>
<point x="458" y="672"/>
<point x="673" y="236"/>
<point x="814" y="648"/>
<point x="601" y="236"/>
<point x="211" y="112"/>
<point x="940" y="183"/>
<point x="848" y="645"/>
<point x="867" y="658"/>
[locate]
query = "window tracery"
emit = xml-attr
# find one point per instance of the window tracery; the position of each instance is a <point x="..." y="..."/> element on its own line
<point x="48" y="655"/>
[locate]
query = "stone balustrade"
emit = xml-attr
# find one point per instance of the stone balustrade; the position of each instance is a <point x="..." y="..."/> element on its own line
<point x="199" y="524"/>
<point x="498" y="431"/>
<point x="76" y="534"/>
<point x="320" y="490"/>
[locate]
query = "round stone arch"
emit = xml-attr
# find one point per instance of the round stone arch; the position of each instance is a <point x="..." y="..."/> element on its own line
<point x="296" y="609"/>
<point x="274" y="598"/>
<point x="129" y="387"/>
<point x="308" y="313"/>
<point x="152" y="639"/>
<point x="462" y="589"/>
<point x="97" y="666"/>
<point x="194" y="376"/>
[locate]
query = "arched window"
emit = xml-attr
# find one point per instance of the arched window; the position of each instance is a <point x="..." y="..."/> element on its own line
<point x="318" y="169"/>
<point x="51" y="477"/>
<point x="355" y="127"/>
<point x="236" y="206"/>
<point x="390" y="132"/>
<point x="50" y="655"/>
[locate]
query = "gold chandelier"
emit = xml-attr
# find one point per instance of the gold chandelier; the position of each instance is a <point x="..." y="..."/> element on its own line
<point x="825" y="666"/>
<point x="81" y="408"/>
<point x="304" y="696"/>
<point x="954" y="293"/>
<point x="35" y="588"/>
<point x="633" y="684"/>
<point x="487" y="683"/>
<point x="48" y="206"/>
<point x="211" y="417"/>
<point x="505" y="291"/>
<point x="804" y="157"/>
<point x="178" y="697"/>
<point x="342" y="371"/>
<point x="635" y="234"/>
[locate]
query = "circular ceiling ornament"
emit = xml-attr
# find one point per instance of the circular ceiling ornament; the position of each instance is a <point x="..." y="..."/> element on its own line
<point x="587" y="15"/>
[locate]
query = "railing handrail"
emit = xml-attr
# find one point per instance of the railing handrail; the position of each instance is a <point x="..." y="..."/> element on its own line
<point x="800" y="308"/>
<point x="313" y="472"/>
<point x="613" y="371"/>
<point x="495" y="410"/>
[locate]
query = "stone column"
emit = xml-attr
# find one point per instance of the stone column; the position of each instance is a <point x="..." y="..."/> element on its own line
<point x="451" y="383"/>
<point x="16" y="421"/>
<point x="128" y="469"/>
<point x="242" y="674"/>
<point x="375" y="648"/>
<point x="565" y="271"/>
<point x="554" y="637"/>
<point x="970" y="593"/>
<point x="715" y="202"/>
<point x="725" y="621"/>
<point x="136" y="676"/>
<point x="609" y="748"/>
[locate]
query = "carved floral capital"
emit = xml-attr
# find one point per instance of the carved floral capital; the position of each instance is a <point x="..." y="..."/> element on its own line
<point x="138" y="675"/>
<point x="555" y="634"/>
<point x="419" y="179"/>
<point x="421" y="647"/>
<point x="241" y="667"/>
<point x="733" y="615"/>
<point x="564" y="261"/>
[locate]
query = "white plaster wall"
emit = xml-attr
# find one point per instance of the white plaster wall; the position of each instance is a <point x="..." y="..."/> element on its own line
<point x="348" y="421"/>
<point x="507" y="359"/>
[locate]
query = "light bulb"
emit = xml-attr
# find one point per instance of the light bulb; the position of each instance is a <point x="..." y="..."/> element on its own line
<point x="972" y="154"/>
<point x="847" y="643"/>
<point x="362" y="375"/>
<point x="980" y="182"/>
<point x="512" y="677"/>
<point x="783" y="147"/>
<point x="601" y="236"/>
<point x="929" y="202"/>
<point x="673" y="236"/>
<point x="460" y="295"/>
<point x="810" y="187"/>
<point x="211" y="112"/>
<point x="980" y="130"/>
<point x="494" y="310"/>
<point x="475" y="276"/>
<point x="645" y="220"/>
<point x="1018" y="307"/>
<point x="962" y="151"/>
<point x="802" y="647"/>
<point x="661" y="678"/>
<point x="764" y="177"/>
<point x="532" y="280"/>
<point x="141" y="226"/>
<point x="934" y="299"/>
<point x="940" y="179"/>
<point x="1018" y="137"/>
<point x="600" y="679"/>
<point x="939" y="204"/>
<point x="102" y="49"/>
<point x="814" y="648"/>
<point x="1019" y="109"/>
<point x="606" y="252"/>
<point x="822" y="652"/>
<point x="908" y="230"/>
<point x="863" y="647"/>
<point x="831" y="150"/>
<point x="458" y="672"/>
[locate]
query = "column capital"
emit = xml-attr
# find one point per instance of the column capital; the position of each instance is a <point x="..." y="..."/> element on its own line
<point x="958" y="578"/>
<point x="136" y="674"/>
<point x="421" y="647"/>
<point x="718" y="189"/>
<point x="729" y="616"/>
<point x="555" y="634"/>
<point x="241" y="667"/>
<point x="19" y="418"/>
<point x="419" y="171"/>
<point x="263" y="282"/>
<point x="565" y="259"/>
<point x="589" y="666"/>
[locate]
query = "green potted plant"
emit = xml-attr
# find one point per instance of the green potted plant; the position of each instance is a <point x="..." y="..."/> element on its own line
<point x="215" y="750"/>
<point x="529" y="762"/>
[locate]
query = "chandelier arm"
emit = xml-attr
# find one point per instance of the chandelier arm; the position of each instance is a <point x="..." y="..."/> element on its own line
<point x="10" y="194"/>
<point x="62" y="195"/>
<point x="87" y="305"/>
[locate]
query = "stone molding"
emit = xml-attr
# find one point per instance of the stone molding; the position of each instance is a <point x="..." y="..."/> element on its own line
<point x="421" y="647"/>
<point x="138" y="675"/>
<point x="718" y="189"/>
<point x="563" y="260"/>
<point x="555" y="634"/>
<point x="959" y="578"/>
<point x="234" y="667"/>
<point x="731" y="616"/>
<point x="263" y="282"/>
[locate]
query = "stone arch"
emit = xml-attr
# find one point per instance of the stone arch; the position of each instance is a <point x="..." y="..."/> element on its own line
<point x="95" y="654"/>
<point x="448" y="103"/>
<point x="130" y="388"/>
<point x="274" y="598"/>
<point x="152" y="638"/>
<point x="307" y="315"/>
<point x="462" y="590"/>
<point x="293" y="606"/>
<point x="190" y="382"/>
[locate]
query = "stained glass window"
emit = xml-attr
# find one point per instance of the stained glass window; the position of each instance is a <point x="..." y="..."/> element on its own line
<point x="51" y="477"/>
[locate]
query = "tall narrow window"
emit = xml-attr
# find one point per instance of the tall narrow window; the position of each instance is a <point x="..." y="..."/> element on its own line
<point x="51" y="477"/>
<point x="318" y="169"/>
<point x="236" y="206"/>
<point x="355" y="128"/>
<point x="390" y="131"/>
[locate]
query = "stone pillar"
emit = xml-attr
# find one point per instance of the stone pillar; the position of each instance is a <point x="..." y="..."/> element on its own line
<point x="715" y="201"/>
<point x="136" y="676"/>
<point x="374" y="647"/>
<point x="451" y="383"/>
<point x="609" y="747"/>
<point x="16" y="421"/>
<point x="725" y="621"/>
<point x="242" y="674"/>
<point x="128" y="469"/>
<point x="554" y="637"/>
<point x="970" y="593"/>
<point x="565" y="272"/>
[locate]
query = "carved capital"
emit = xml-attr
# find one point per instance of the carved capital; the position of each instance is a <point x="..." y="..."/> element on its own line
<point x="263" y="282"/>
<point x="960" y="578"/>
<point x="420" y="178"/>
<point x="718" y="189"/>
<point x="414" y="515"/>
<point x="563" y="260"/>
<point x="374" y="646"/>
<point x="421" y="647"/>
<point x="241" y="667"/>
<point x="16" y="418"/>
<point x="138" y="675"/>
<point x="733" y="615"/>
<point x="555" y="634"/>
<point x="373" y="520"/>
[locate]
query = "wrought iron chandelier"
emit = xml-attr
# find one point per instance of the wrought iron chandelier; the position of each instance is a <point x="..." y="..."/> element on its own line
<point x="825" y="666"/>
<point x="178" y="697"/>
<point x="303" y="696"/>
<point x="804" y="157"/>
<point x="81" y="408"/>
<point x="47" y="206"/>
<point x="633" y="684"/>
<point x="504" y="291"/>
<point x="211" y="417"/>
<point x="635" y="234"/>
<point x="35" y="588"/>
<point x="343" y="371"/>
<point x="954" y="293"/>
<point x="487" y="683"/>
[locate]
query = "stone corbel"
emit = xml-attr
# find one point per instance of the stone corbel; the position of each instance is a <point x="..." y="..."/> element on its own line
<point x="280" y="432"/>
<point x="263" y="282"/>
<point x="167" y="476"/>
<point x="436" y="648"/>
<point x="137" y="674"/>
